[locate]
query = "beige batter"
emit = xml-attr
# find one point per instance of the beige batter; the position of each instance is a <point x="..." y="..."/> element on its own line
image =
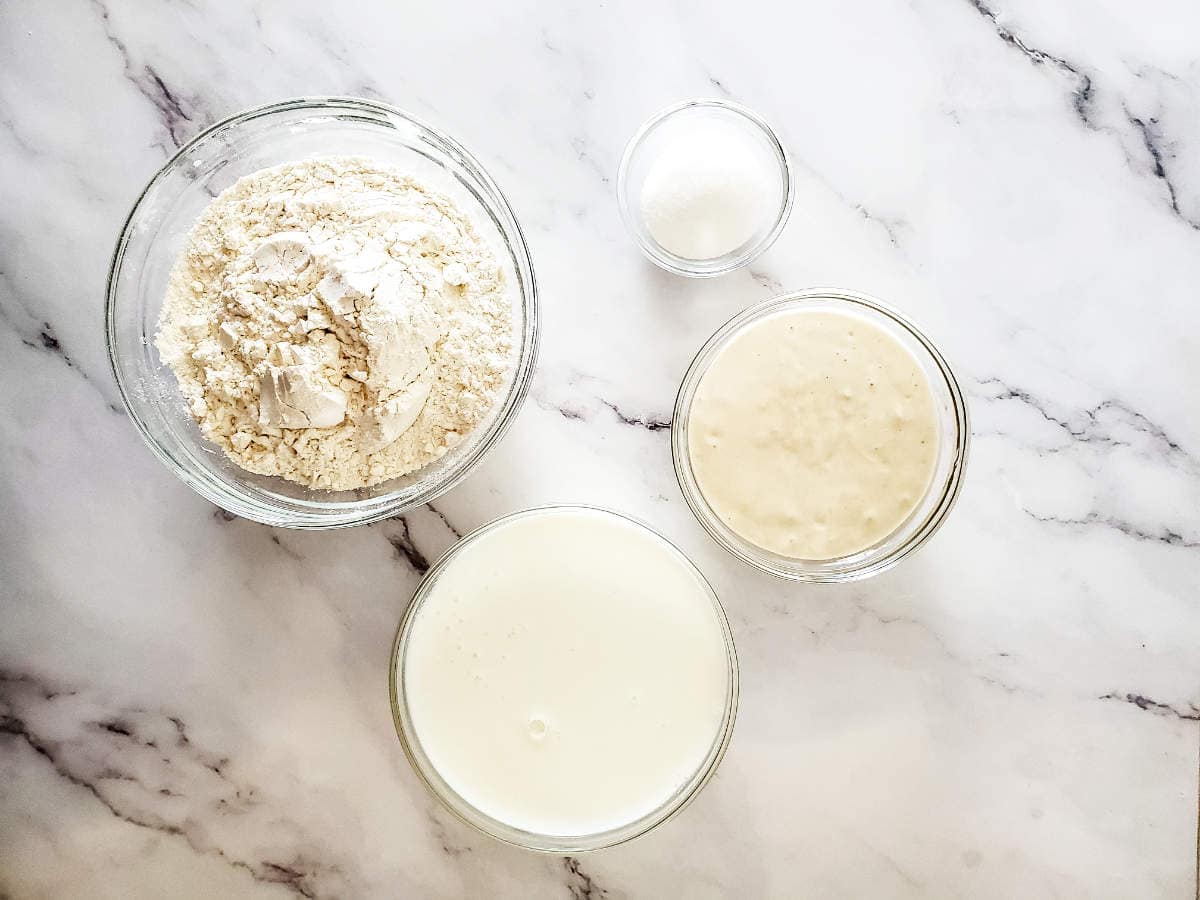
<point x="813" y="434"/>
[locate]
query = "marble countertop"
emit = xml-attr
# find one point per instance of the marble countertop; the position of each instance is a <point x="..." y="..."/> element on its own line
<point x="196" y="706"/>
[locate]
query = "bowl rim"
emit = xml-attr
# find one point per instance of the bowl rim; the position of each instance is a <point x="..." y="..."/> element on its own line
<point x="517" y="837"/>
<point x="731" y="262"/>
<point x="806" y="570"/>
<point x="315" y="514"/>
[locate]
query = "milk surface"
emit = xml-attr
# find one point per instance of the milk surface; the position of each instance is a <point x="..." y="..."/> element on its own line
<point x="567" y="673"/>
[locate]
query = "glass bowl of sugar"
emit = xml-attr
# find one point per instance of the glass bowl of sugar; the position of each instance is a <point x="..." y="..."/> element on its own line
<point x="704" y="187"/>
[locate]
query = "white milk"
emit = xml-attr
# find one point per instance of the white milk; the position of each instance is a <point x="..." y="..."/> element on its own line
<point x="567" y="673"/>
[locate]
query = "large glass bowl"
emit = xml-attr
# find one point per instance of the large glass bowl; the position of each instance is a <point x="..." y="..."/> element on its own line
<point x="155" y="233"/>
<point x="552" y="843"/>
<point x="954" y="435"/>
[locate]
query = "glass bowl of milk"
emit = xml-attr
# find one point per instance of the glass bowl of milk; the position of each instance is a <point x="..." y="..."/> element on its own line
<point x="820" y="436"/>
<point x="564" y="679"/>
<point x="704" y="187"/>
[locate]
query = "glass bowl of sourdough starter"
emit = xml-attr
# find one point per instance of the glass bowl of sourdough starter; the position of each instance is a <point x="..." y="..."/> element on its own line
<point x="949" y="459"/>
<point x="564" y="731"/>
<point x="157" y="229"/>
<point x="683" y="125"/>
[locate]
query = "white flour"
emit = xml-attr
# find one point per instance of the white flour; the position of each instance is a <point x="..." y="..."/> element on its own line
<point x="335" y="323"/>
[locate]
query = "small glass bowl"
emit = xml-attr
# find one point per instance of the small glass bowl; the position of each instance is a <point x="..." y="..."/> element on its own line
<point x="639" y="157"/>
<point x="954" y="434"/>
<point x="158" y="226"/>
<point x="549" y="843"/>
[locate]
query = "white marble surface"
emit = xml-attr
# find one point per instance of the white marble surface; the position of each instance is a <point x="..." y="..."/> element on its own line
<point x="196" y="707"/>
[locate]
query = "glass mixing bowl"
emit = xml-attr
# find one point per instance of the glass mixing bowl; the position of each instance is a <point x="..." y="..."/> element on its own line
<point x="158" y="226"/>
<point x="552" y="843"/>
<point x="954" y="433"/>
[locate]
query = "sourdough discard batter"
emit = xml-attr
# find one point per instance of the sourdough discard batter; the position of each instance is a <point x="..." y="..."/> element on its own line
<point x="813" y="434"/>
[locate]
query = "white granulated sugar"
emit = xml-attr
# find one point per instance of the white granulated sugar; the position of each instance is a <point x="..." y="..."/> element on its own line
<point x="708" y="192"/>
<point x="336" y="323"/>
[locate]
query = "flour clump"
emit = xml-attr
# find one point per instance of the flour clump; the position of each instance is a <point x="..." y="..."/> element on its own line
<point x="334" y="322"/>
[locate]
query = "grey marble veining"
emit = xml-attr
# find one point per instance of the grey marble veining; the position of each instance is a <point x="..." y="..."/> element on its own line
<point x="194" y="705"/>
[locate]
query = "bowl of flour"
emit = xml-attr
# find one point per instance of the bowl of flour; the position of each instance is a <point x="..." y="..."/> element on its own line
<point x="321" y="313"/>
